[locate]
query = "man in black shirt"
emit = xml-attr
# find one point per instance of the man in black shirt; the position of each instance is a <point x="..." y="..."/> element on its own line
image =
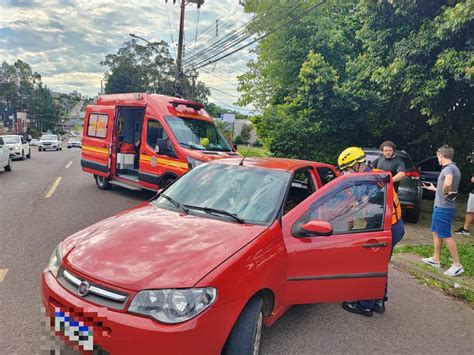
<point x="464" y="230"/>
<point x="389" y="161"/>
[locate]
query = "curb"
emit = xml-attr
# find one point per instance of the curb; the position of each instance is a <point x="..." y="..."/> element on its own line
<point x="411" y="263"/>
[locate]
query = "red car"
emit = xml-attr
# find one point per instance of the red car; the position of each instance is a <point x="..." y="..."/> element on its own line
<point x="228" y="247"/>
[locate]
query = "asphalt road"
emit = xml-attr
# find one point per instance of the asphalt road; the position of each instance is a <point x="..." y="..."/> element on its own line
<point x="418" y="318"/>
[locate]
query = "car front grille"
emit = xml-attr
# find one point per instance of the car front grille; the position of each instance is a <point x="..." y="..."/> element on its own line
<point x="97" y="294"/>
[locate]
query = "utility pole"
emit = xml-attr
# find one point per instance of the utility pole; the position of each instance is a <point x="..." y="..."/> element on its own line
<point x="180" y="77"/>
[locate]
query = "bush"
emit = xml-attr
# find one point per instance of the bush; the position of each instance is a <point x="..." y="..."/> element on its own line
<point x="238" y="140"/>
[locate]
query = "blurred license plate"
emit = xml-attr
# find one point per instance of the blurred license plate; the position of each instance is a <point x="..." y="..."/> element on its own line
<point x="74" y="331"/>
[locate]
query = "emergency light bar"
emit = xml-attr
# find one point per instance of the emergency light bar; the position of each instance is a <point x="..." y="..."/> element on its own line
<point x="192" y="104"/>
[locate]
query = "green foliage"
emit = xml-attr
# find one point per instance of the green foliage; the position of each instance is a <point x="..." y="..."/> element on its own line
<point x="249" y="151"/>
<point x="245" y="133"/>
<point x="149" y="68"/>
<point x="466" y="255"/>
<point x="238" y="140"/>
<point x="361" y="72"/>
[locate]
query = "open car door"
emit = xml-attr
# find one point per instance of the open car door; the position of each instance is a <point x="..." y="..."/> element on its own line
<point x="339" y="241"/>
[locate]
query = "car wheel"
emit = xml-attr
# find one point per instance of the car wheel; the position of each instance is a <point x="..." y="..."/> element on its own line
<point x="247" y="331"/>
<point x="413" y="215"/>
<point x="167" y="182"/>
<point x="102" y="182"/>
<point x="29" y="154"/>
<point x="8" y="167"/>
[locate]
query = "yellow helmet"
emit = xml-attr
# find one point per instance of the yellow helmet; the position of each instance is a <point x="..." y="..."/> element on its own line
<point x="350" y="156"/>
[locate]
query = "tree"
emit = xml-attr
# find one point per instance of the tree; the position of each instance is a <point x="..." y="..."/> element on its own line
<point x="225" y="128"/>
<point x="245" y="133"/>
<point x="361" y="72"/>
<point x="148" y="68"/>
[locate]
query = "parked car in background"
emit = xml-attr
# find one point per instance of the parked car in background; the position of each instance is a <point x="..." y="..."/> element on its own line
<point x="410" y="190"/>
<point x="34" y="142"/>
<point x="74" y="143"/>
<point x="429" y="169"/>
<point x="225" y="249"/>
<point x="19" y="147"/>
<point x="5" y="159"/>
<point x="49" y="141"/>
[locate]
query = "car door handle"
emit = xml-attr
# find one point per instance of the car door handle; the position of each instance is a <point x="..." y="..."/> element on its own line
<point x="375" y="245"/>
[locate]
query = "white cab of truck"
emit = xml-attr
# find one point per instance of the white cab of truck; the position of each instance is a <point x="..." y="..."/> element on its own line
<point x="49" y="141"/>
<point x="5" y="159"/>
<point x="19" y="147"/>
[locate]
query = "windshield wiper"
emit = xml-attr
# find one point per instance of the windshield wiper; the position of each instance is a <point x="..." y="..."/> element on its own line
<point x="174" y="202"/>
<point x="218" y="211"/>
<point x="192" y="146"/>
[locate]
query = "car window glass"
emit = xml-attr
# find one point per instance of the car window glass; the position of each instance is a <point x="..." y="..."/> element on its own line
<point x="1" y="141"/>
<point x="301" y="187"/>
<point x="97" y="126"/>
<point x="357" y="206"/>
<point x="326" y="175"/>
<point x="154" y="131"/>
<point x="23" y="140"/>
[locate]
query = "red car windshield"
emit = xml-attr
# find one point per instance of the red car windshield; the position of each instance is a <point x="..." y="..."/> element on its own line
<point x="252" y="194"/>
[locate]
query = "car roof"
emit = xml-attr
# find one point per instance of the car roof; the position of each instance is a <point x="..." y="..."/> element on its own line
<point x="10" y="135"/>
<point x="272" y="163"/>
<point x="377" y="151"/>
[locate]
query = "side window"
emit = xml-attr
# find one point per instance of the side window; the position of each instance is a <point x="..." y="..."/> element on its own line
<point x="97" y="126"/>
<point x="326" y="175"/>
<point x="154" y="131"/>
<point x="1" y="141"/>
<point x="301" y="187"/>
<point x="23" y="140"/>
<point x="356" y="207"/>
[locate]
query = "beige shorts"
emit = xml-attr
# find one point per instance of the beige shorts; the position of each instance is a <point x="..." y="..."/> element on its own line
<point x="470" y="203"/>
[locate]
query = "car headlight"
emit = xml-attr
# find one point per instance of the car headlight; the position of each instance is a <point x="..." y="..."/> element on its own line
<point x="55" y="261"/>
<point x="192" y="163"/>
<point x="173" y="305"/>
<point x="17" y="148"/>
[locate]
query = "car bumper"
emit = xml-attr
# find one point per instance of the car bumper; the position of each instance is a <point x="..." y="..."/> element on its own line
<point x="409" y="194"/>
<point x="48" y="147"/>
<point x="124" y="333"/>
<point x="15" y="154"/>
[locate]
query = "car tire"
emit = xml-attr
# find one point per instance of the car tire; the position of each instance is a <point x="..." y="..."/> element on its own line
<point x="8" y="167"/>
<point x="247" y="331"/>
<point x="29" y="154"/>
<point x="166" y="182"/>
<point x="413" y="215"/>
<point x="102" y="182"/>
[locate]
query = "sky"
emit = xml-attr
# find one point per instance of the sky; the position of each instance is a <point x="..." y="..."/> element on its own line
<point x="65" y="40"/>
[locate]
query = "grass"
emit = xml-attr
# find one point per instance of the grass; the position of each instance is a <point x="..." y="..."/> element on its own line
<point x="466" y="255"/>
<point x="250" y="151"/>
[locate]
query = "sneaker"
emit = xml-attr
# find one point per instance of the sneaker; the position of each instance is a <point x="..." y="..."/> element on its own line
<point x="462" y="231"/>
<point x="432" y="262"/>
<point x="454" y="270"/>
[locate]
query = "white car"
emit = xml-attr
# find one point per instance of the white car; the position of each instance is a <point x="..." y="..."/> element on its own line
<point x="5" y="159"/>
<point x="49" y="141"/>
<point x="73" y="143"/>
<point x="19" y="147"/>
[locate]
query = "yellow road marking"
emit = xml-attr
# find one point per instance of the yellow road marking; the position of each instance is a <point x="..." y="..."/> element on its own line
<point x="54" y="187"/>
<point x="69" y="164"/>
<point x="3" y="273"/>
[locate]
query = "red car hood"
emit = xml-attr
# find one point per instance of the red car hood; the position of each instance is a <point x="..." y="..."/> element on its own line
<point x="150" y="247"/>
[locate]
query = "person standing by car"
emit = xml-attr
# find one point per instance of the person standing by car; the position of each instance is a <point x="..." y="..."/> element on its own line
<point x="389" y="161"/>
<point x="464" y="230"/>
<point x="444" y="210"/>
<point x="353" y="160"/>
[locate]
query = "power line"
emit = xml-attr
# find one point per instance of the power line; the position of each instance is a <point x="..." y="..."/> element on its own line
<point x="242" y="38"/>
<point x="230" y="106"/>
<point x="223" y="92"/>
<point x="197" y="27"/>
<point x="295" y="18"/>
<point x="171" y="32"/>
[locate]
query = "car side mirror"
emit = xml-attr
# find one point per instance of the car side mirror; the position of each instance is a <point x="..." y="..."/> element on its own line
<point x="161" y="146"/>
<point x="317" y="227"/>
